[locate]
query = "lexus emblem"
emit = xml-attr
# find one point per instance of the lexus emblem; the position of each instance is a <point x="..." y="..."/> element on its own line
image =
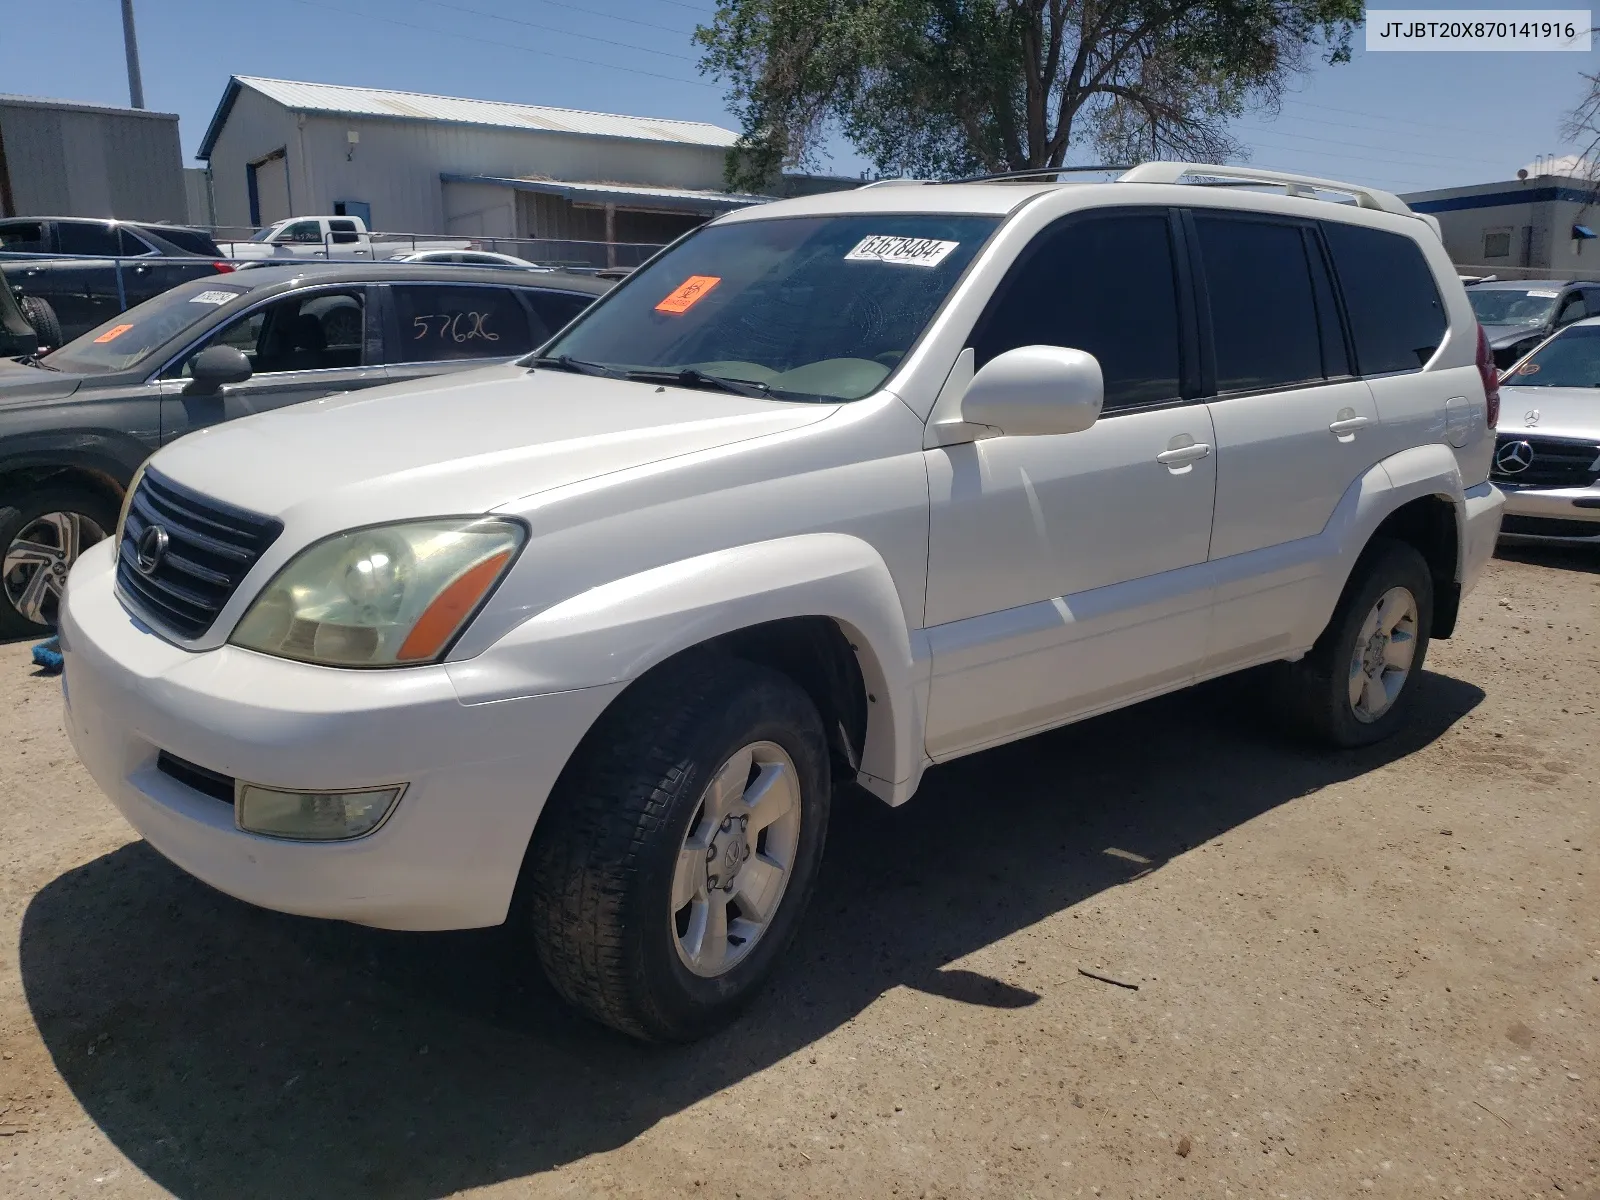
<point x="1514" y="458"/>
<point x="1531" y="417"/>
<point x="150" y="548"/>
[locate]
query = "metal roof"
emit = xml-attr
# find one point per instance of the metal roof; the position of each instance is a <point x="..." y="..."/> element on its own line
<point x="417" y="106"/>
<point x="11" y="101"/>
<point x="631" y="195"/>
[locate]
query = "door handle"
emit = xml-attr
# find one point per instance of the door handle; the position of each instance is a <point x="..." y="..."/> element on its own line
<point x="1180" y="455"/>
<point x="1348" y="425"/>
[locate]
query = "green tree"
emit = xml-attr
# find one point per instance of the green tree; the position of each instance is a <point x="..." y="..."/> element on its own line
<point x="943" y="88"/>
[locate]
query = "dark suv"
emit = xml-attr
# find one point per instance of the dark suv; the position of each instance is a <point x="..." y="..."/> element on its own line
<point x="1518" y="314"/>
<point x="89" y="276"/>
<point x="77" y="423"/>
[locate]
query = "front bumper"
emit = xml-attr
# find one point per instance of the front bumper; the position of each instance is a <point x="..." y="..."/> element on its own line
<point x="448" y="858"/>
<point x="1557" y="515"/>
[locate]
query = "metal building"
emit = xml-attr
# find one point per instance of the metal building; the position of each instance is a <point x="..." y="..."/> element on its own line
<point x="1542" y="226"/>
<point x="417" y="163"/>
<point x="62" y="159"/>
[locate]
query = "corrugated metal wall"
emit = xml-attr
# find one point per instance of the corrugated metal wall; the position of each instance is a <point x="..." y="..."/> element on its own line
<point x="395" y="166"/>
<point x="71" y="161"/>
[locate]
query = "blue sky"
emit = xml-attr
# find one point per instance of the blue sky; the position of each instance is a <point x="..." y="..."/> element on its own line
<point x="1401" y="121"/>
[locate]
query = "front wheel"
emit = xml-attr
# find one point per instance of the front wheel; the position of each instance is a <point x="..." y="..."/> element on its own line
<point x="41" y="536"/>
<point x="678" y="850"/>
<point x="1358" y="683"/>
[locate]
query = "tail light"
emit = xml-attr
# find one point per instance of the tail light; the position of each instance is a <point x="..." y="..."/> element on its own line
<point x="1491" y="377"/>
<point x="224" y="267"/>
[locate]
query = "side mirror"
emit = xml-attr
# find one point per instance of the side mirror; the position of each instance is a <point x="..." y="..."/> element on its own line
<point x="1036" y="390"/>
<point x="214" y="368"/>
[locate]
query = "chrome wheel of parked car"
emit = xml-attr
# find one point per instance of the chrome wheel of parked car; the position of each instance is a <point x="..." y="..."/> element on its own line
<point x="38" y="558"/>
<point x="736" y="859"/>
<point x="1384" y="651"/>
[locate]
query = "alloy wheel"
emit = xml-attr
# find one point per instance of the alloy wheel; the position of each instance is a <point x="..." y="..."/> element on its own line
<point x="36" y="562"/>
<point x="1384" y="652"/>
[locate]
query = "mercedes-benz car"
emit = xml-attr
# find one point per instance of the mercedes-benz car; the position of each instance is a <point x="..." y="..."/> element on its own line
<point x="1547" y="452"/>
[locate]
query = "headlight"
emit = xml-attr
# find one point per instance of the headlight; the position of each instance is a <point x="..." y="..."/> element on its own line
<point x="396" y="595"/>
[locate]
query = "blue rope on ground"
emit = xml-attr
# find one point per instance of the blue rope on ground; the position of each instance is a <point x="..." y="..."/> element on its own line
<point x="47" y="656"/>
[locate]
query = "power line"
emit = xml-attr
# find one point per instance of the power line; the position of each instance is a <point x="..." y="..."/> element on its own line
<point x="1449" y="158"/>
<point x="1384" y="117"/>
<point x="588" y="62"/>
<point x="595" y="12"/>
<point x="461" y="8"/>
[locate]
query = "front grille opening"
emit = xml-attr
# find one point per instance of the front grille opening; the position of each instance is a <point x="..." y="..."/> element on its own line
<point x="1555" y="462"/>
<point x="201" y="779"/>
<point x="1550" y="527"/>
<point x="209" y="548"/>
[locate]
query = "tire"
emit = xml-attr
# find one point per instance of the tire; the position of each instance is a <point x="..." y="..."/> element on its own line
<point x="32" y="528"/>
<point x="1317" y="691"/>
<point x="43" y="318"/>
<point x="598" y="885"/>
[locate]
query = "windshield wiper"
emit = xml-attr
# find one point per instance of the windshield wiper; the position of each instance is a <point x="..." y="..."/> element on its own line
<point x="34" y="360"/>
<point x="565" y="362"/>
<point x="695" y="378"/>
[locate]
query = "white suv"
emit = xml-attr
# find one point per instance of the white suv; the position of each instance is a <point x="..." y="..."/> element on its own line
<point x="832" y="489"/>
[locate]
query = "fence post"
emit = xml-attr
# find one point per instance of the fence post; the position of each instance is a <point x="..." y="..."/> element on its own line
<point x="611" y="235"/>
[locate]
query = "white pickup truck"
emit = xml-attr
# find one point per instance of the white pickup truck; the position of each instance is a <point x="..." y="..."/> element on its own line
<point x="323" y="237"/>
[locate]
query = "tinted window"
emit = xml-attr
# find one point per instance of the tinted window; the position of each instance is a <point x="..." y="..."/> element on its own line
<point x="1263" y="316"/>
<point x="322" y="331"/>
<point x="343" y="233"/>
<point x="1571" y="309"/>
<point x="193" y="240"/>
<point x="23" y="237"/>
<point x="1571" y="359"/>
<point x="1390" y="297"/>
<point x="555" y="309"/>
<point x="1104" y="285"/>
<point x="128" y="338"/>
<point x="88" y="237"/>
<point x="444" y="322"/>
<point x="133" y="245"/>
<point x="308" y="232"/>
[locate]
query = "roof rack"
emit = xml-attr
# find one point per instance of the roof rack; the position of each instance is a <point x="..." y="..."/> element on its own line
<point x="1041" y="173"/>
<point x="899" y="179"/>
<point x="1294" y="185"/>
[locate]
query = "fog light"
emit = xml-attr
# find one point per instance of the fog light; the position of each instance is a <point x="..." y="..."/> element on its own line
<point x="314" y="816"/>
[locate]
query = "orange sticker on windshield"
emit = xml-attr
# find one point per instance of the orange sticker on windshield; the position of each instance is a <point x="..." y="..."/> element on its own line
<point x="688" y="293"/>
<point x="113" y="333"/>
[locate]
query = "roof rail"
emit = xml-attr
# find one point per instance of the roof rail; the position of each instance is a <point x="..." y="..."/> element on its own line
<point x="1039" y="173"/>
<point x="1294" y="185"/>
<point x="890" y="182"/>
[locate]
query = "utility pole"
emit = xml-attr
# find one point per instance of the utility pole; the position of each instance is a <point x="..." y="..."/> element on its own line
<point x="130" y="44"/>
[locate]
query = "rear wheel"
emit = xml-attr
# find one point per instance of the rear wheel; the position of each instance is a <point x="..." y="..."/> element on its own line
<point x="1357" y="685"/>
<point x="679" y="849"/>
<point x="41" y="536"/>
<point x="42" y="317"/>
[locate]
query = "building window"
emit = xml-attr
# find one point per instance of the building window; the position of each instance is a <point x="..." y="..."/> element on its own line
<point x="1497" y="243"/>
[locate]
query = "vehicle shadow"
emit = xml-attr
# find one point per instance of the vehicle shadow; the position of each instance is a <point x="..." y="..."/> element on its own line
<point x="231" y="1052"/>
<point x="1560" y="558"/>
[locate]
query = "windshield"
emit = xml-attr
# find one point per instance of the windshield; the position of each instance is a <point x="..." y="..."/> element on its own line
<point x="1511" y="306"/>
<point x="130" y="337"/>
<point x="1571" y="359"/>
<point x="262" y="235"/>
<point x="805" y="308"/>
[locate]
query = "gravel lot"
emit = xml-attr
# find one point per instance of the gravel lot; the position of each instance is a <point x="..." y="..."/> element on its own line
<point x="1368" y="973"/>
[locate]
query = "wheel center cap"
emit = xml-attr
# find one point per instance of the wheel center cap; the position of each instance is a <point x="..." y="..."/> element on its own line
<point x="729" y="850"/>
<point x="1376" y="646"/>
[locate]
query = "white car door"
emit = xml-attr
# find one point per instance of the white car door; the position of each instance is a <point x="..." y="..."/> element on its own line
<point x="1295" y="429"/>
<point x="1067" y="573"/>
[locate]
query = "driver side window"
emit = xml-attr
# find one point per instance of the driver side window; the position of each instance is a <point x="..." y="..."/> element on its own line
<point x="301" y="233"/>
<point x="1572" y="309"/>
<point x="321" y="331"/>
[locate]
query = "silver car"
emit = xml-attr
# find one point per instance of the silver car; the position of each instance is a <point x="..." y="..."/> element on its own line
<point x="1547" y="454"/>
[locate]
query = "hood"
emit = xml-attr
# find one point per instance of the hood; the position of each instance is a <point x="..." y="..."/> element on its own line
<point x="33" y="385"/>
<point x="1501" y="336"/>
<point x="462" y="443"/>
<point x="1550" y="412"/>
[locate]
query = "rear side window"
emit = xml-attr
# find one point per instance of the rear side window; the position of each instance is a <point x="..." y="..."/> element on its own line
<point x="439" y="322"/>
<point x="82" y="237"/>
<point x="1396" y="316"/>
<point x="555" y="309"/>
<point x="1263" y="312"/>
<point x="192" y="240"/>
<point x="1104" y="285"/>
<point x="23" y="237"/>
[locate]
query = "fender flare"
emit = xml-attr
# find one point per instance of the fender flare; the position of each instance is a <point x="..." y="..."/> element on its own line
<point x="617" y="631"/>
<point x="114" y="456"/>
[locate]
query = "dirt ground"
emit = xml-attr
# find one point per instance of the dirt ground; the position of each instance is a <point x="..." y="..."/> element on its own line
<point x="1367" y="973"/>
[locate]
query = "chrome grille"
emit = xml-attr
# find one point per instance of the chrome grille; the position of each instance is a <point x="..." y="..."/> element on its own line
<point x="210" y="547"/>
<point x="1557" y="462"/>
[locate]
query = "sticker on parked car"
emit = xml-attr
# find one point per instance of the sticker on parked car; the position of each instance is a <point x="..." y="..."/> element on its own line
<point x="113" y="333"/>
<point x="910" y="252"/>
<point x="688" y="293"/>
<point x="212" y="297"/>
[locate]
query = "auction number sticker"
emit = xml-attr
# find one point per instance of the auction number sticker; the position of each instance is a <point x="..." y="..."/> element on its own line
<point x="112" y="334"/>
<point x="1542" y="294"/>
<point x="212" y="297"/>
<point x="909" y="252"/>
<point x="688" y="293"/>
